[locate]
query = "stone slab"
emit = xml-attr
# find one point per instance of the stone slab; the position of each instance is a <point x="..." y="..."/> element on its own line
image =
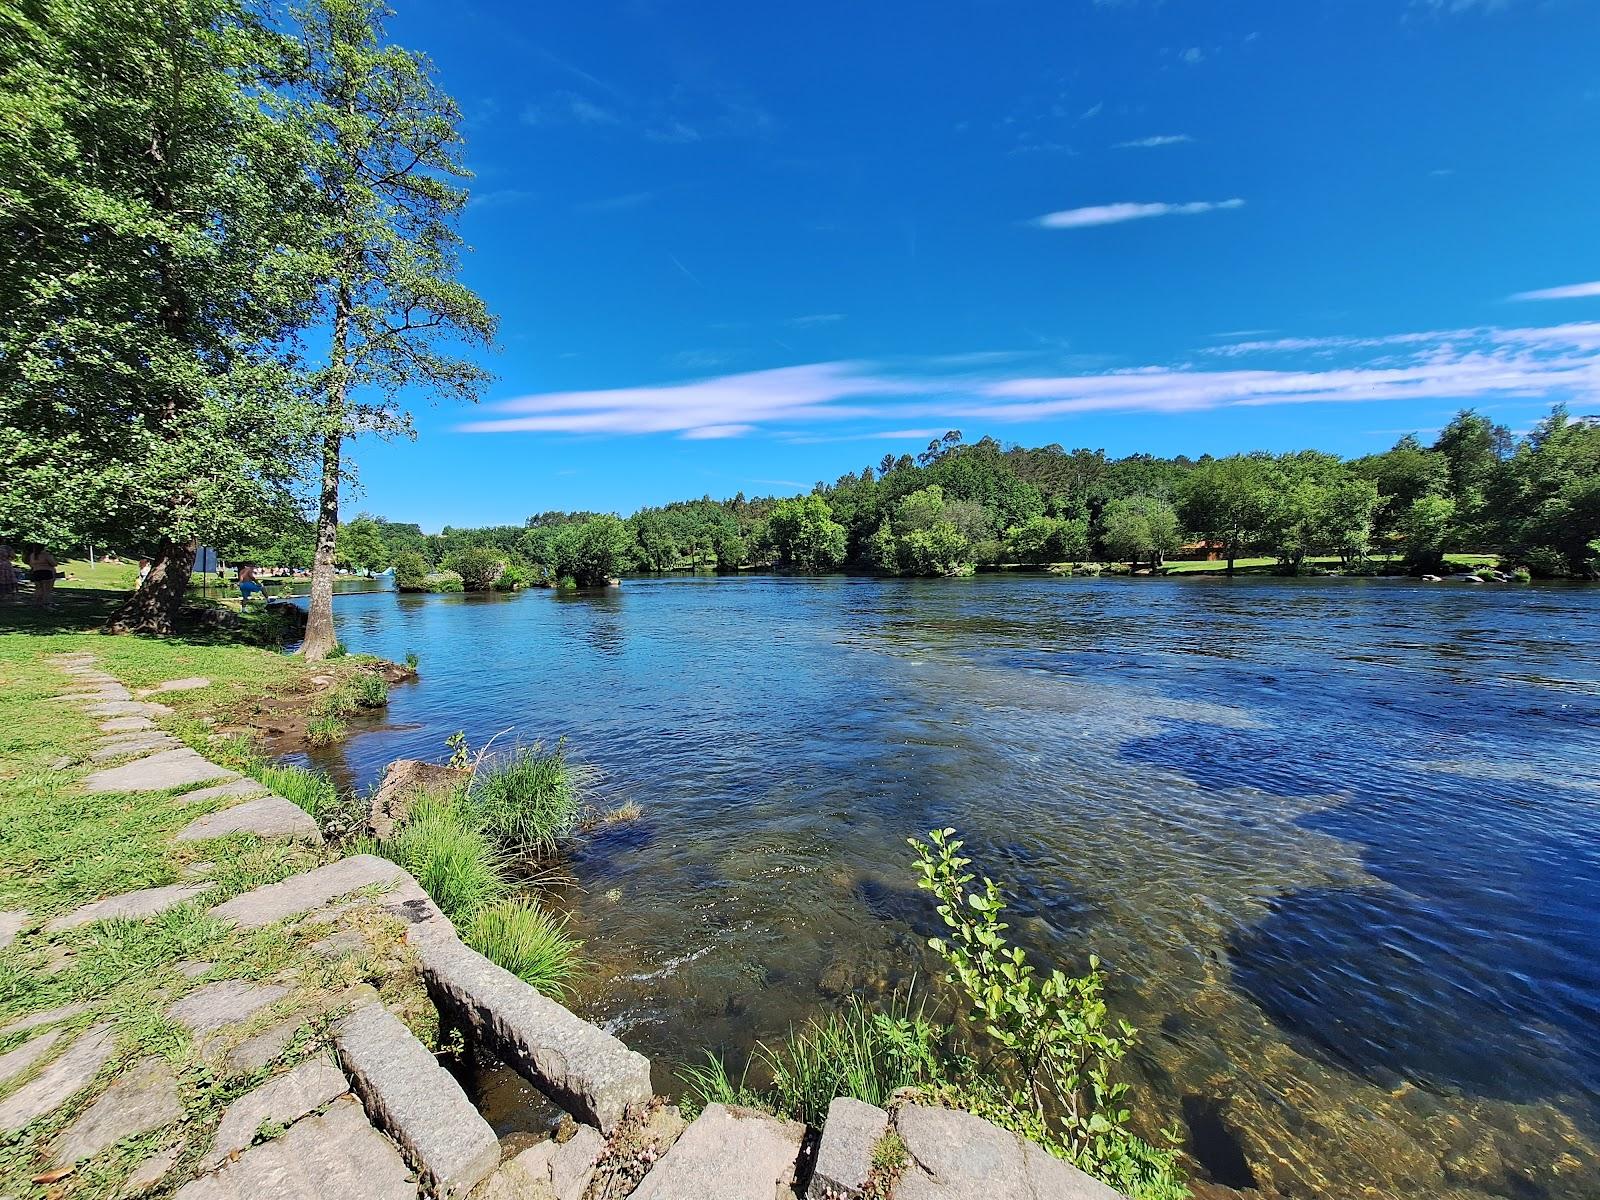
<point x="12" y="922"/>
<point x="15" y="1062"/>
<point x="283" y="1101"/>
<point x="564" y="1168"/>
<point x="146" y="902"/>
<point x="59" y="1082"/>
<point x="416" y="1102"/>
<point x="127" y="708"/>
<point x="49" y="1016"/>
<point x="309" y="890"/>
<point x="188" y="684"/>
<point x="578" y="1065"/>
<point x="127" y="725"/>
<point x="150" y="1172"/>
<point x="142" y="1099"/>
<point x="337" y="1154"/>
<point x="954" y="1155"/>
<point x="168" y="769"/>
<point x="243" y="789"/>
<point x="729" y="1153"/>
<point x="214" y="1007"/>
<point x="844" y="1155"/>
<point x="139" y="743"/>
<point x="266" y="816"/>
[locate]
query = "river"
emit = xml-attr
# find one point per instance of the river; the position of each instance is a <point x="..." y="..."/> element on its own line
<point x="1335" y="840"/>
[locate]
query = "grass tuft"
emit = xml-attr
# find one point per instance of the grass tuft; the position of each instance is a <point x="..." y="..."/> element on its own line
<point x="527" y="941"/>
<point x="325" y="730"/>
<point x="445" y="846"/>
<point x="530" y="799"/>
<point x="311" y="790"/>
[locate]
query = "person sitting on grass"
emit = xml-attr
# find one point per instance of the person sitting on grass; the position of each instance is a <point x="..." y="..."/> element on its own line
<point x="248" y="585"/>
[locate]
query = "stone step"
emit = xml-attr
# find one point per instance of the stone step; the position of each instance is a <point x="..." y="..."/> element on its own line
<point x="127" y="725"/>
<point x="211" y="1011"/>
<point x="15" y="1062"/>
<point x="143" y="1099"/>
<point x="266" y="816"/>
<point x="49" y="1016"/>
<point x="844" y="1155"/>
<point x="133" y="743"/>
<point x="416" y="1102"/>
<point x="72" y="1071"/>
<point x="12" y="922"/>
<point x="953" y="1155"/>
<point x="578" y="1065"/>
<point x="168" y="769"/>
<point x="730" y="1153"/>
<point x="338" y="1154"/>
<point x="146" y="902"/>
<point x="244" y="789"/>
<point x="315" y="889"/>
<point x="282" y="1101"/>
<point x="561" y="1170"/>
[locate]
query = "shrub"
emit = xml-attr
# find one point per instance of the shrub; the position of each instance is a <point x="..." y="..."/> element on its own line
<point x="1521" y="574"/>
<point x="529" y="800"/>
<point x="443" y="844"/>
<point x="311" y="790"/>
<point x="444" y="581"/>
<point x="478" y="566"/>
<point x="527" y="941"/>
<point x="324" y="730"/>
<point x="515" y="576"/>
<point x="370" y="690"/>
<point x="410" y="572"/>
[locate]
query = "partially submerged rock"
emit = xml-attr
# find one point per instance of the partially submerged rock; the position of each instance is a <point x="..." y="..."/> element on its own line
<point x="406" y="779"/>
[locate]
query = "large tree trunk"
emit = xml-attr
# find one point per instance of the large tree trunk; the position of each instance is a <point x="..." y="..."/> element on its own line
<point x="154" y="607"/>
<point x="320" y="637"/>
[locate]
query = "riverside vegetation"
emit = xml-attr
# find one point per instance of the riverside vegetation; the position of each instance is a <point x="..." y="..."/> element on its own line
<point x="1531" y="504"/>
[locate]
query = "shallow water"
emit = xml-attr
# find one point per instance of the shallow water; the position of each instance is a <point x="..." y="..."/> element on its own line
<point x="1334" y="839"/>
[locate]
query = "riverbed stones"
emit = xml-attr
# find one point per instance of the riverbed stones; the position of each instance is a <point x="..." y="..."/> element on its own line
<point x="168" y="769"/>
<point x="844" y="1155"/>
<point x="954" y="1155"/>
<point x="59" y="1082"/>
<point x="300" y="894"/>
<point x="266" y="816"/>
<point x="143" y="1099"/>
<point x="558" y="1170"/>
<point x="146" y="902"/>
<point x="281" y="1101"/>
<point x="581" y="1067"/>
<point x="729" y="1153"/>
<point x="15" y="1062"/>
<point x="243" y="789"/>
<point x="12" y="922"/>
<point x="336" y="1154"/>
<point x="416" y="1101"/>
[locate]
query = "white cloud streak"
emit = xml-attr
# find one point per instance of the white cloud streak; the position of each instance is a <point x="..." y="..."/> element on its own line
<point x="1572" y="291"/>
<point x="1113" y="214"/>
<point x="1151" y="143"/>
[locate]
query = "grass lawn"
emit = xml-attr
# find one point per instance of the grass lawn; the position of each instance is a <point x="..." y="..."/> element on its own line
<point x="1266" y="566"/>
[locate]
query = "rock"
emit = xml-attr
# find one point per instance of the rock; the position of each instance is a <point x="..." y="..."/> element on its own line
<point x="143" y="743"/>
<point x="193" y="970"/>
<point x="582" y="1068"/>
<point x="729" y="1154"/>
<point x="12" y="922"/>
<point x="310" y="890"/>
<point x="128" y="708"/>
<point x="844" y="1156"/>
<point x="336" y="1154"/>
<point x="416" y="1102"/>
<point x="150" y="1172"/>
<point x="144" y="903"/>
<point x="402" y="782"/>
<point x="169" y="769"/>
<point x="187" y="684"/>
<point x="15" y="1062"/>
<point x="246" y="789"/>
<point x="208" y="1010"/>
<point x="282" y="1101"/>
<point x="142" y="1099"/>
<point x="50" y="1016"/>
<point x="564" y="1167"/>
<point x="954" y="1155"/>
<point x="60" y="1081"/>
<point x="127" y="725"/>
<point x="266" y="816"/>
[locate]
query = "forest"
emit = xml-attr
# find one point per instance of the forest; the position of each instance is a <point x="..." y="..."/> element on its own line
<point x="960" y="506"/>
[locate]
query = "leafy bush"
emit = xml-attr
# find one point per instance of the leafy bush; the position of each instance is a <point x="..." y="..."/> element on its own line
<point x="1521" y="574"/>
<point x="529" y="800"/>
<point x="412" y="660"/>
<point x="445" y="581"/>
<point x="339" y="650"/>
<point x="516" y="575"/>
<point x="444" y="845"/>
<point x="478" y="566"/>
<point x="527" y="941"/>
<point x="410" y="572"/>
<point x="1545" y="562"/>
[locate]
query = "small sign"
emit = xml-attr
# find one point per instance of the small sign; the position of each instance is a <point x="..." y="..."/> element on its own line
<point x="205" y="560"/>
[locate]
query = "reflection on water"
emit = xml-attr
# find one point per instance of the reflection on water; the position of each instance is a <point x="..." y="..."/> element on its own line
<point x="1334" y="839"/>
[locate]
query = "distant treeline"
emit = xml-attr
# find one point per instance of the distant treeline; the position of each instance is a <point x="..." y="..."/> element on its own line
<point x="1534" y="500"/>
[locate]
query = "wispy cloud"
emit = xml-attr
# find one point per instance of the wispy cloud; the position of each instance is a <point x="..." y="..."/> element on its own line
<point x="1572" y="291"/>
<point x="499" y="198"/>
<point x="1113" y="214"/>
<point x="814" y="319"/>
<point x="1193" y="55"/>
<point x="1151" y="143"/>
<point x="569" y="108"/>
<point x="1462" y="366"/>
<point x="620" y="203"/>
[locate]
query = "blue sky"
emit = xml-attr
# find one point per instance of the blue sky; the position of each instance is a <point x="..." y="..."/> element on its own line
<point x="745" y="247"/>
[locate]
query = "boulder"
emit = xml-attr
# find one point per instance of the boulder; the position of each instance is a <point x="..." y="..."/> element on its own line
<point x="402" y="782"/>
<point x="844" y="1155"/>
<point x="729" y="1153"/>
<point x="954" y="1155"/>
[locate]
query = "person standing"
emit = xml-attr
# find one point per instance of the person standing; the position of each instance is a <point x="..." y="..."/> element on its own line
<point x="8" y="572"/>
<point x="42" y="574"/>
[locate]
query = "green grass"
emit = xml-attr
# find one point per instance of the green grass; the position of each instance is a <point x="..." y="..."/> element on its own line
<point x="444" y="845"/>
<point x="1268" y="566"/>
<point x="527" y="941"/>
<point x="311" y="790"/>
<point x="531" y="799"/>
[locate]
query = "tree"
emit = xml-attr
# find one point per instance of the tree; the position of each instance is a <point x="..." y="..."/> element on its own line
<point x="591" y="552"/>
<point x="1224" y="501"/>
<point x="1141" y="527"/>
<point x="1547" y="504"/>
<point x="1472" y="447"/>
<point x="410" y="572"/>
<point x="360" y="546"/>
<point x="805" y="536"/>
<point x="149" y="283"/>
<point x="383" y="149"/>
<point x="1424" y="529"/>
<point x="480" y="567"/>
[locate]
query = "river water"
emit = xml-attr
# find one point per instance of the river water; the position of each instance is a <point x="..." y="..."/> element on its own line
<point x="1336" y="841"/>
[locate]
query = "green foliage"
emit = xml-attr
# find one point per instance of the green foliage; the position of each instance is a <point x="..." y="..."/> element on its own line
<point x="1141" y="528"/>
<point x="529" y="800"/>
<point x="411" y="659"/>
<point x="337" y="650"/>
<point x="325" y="730"/>
<point x="1057" y="1045"/>
<point x="311" y="790"/>
<point x="527" y="941"/>
<point x="444" y="845"/>
<point x="360" y="546"/>
<point x="1424" y="530"/>
<point x="370" y="690"/>
<point x="410" y="572"/>
<point x="804" y="535"/>
<point x="515" y="576"/>
<point x="444" y="581"/>
<point x="479" y="567"/>
<point x="591" y="552"/>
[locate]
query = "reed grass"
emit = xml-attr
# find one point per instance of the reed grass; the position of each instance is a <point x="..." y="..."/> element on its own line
<point x="311" y="790"/>
<point x="445" y="846"/>
<point x="528" y="941"/>
<point x="530" y="799"/>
